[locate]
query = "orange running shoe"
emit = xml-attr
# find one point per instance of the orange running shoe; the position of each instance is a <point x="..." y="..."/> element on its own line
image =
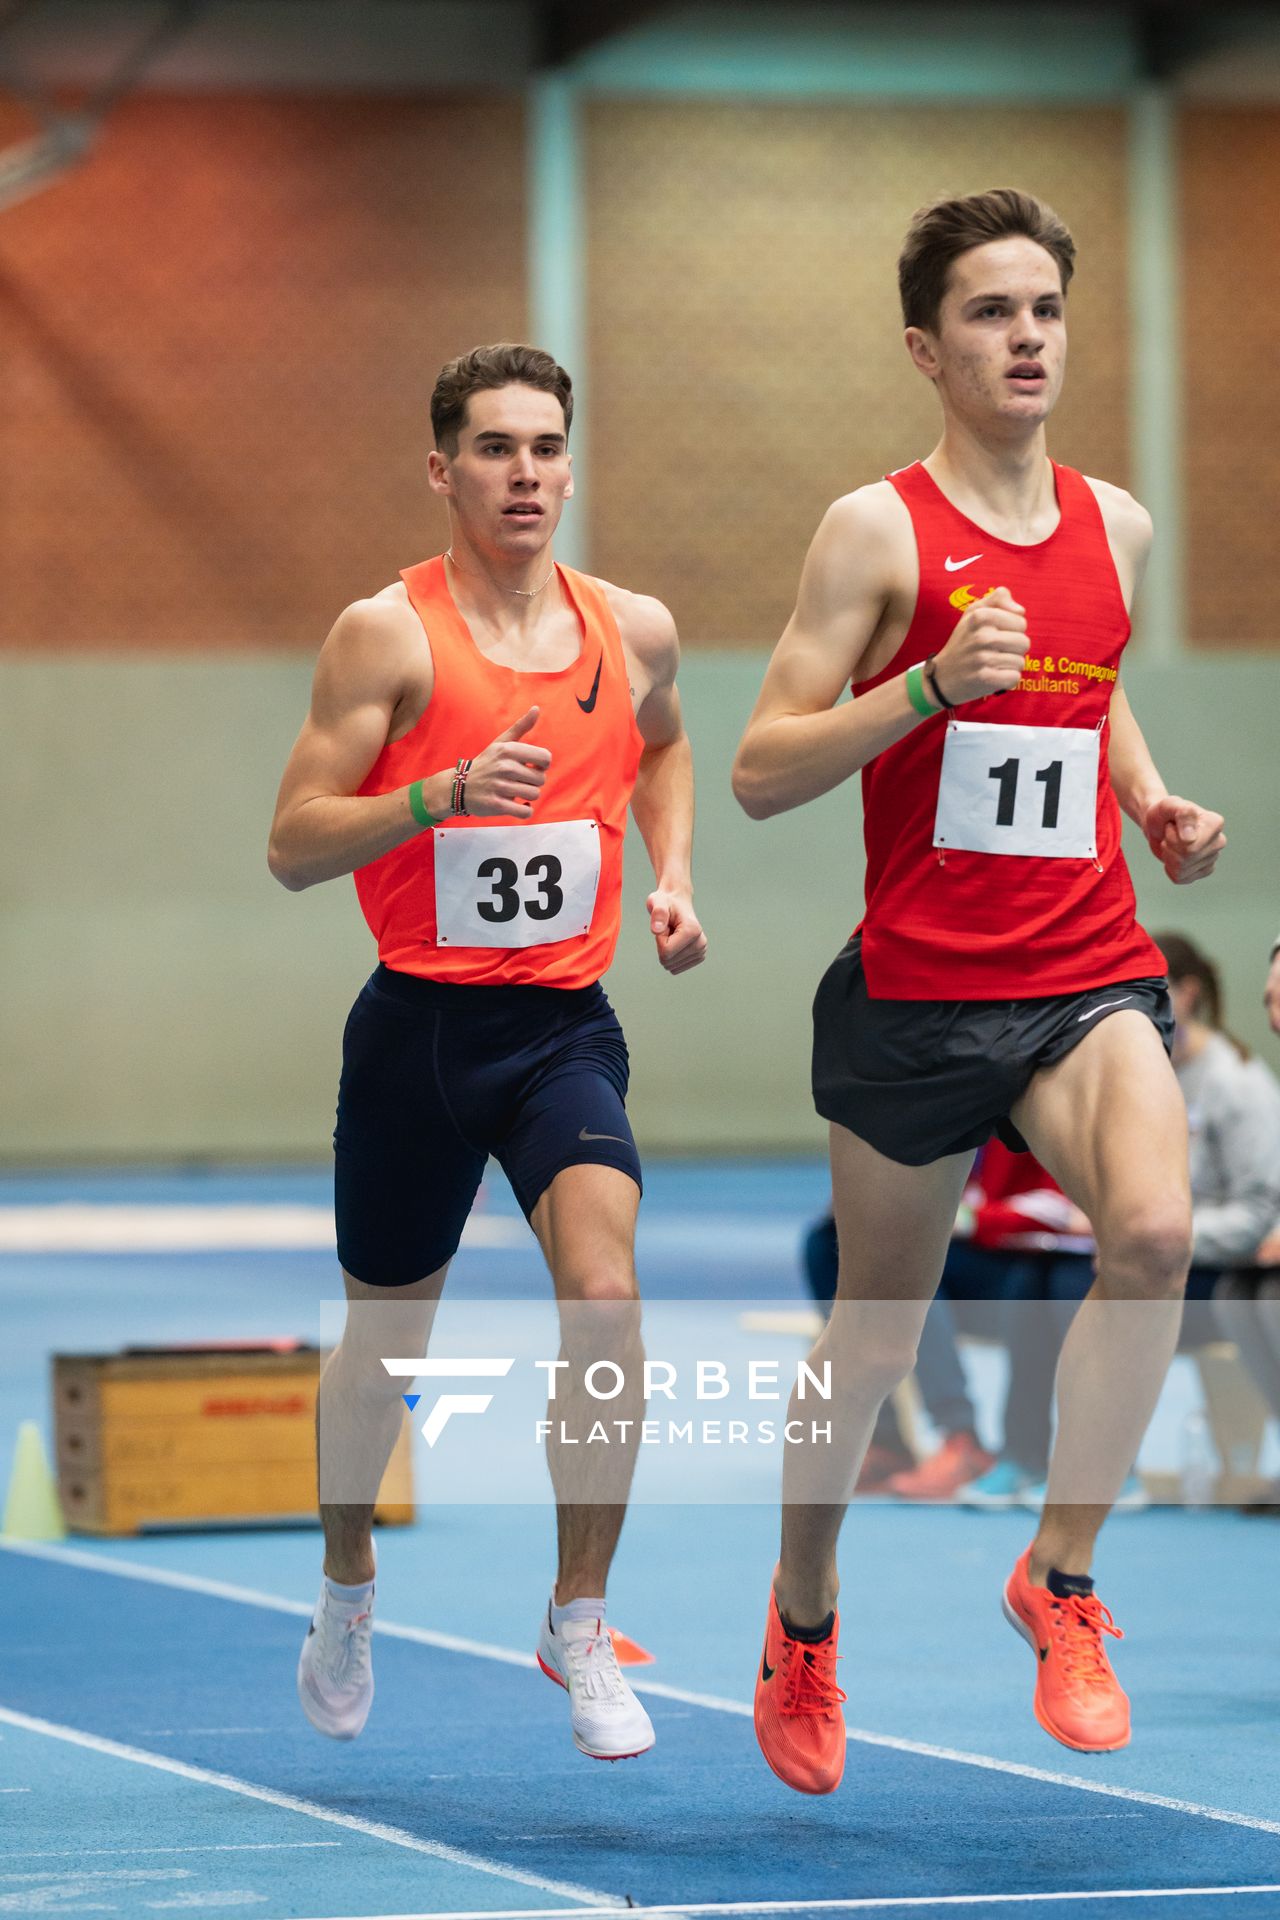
<point x="1078" y="1698"/>
<point x="798" y="1720"/>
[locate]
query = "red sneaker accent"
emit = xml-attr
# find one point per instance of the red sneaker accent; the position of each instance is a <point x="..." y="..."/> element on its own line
<point x="958" y="1460"/>
<point x="1078" y="1698"/>
<point x="878" y="1468"/>
<point x="797" y="1707"/>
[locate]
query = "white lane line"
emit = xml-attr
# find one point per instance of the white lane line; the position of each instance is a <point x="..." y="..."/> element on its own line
<point x="230" y="1846"/>
<point x="1133" y="1794"/>
<point x="868" y="1904"/>
<point x="958" y="1757"/>
<point x="714" y="1703"/>
<point x="15" y="1789"/>
<point x="374" y="1829"/>
<point x="74" y="1226"/>
<point x="253" y="1597"/>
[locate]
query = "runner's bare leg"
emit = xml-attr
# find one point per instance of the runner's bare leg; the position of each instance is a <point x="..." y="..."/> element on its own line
<point x="1110" y="1123"/>
<point x="893" y="1224"/>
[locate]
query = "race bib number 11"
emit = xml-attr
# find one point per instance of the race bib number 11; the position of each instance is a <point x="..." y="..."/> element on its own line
<point x="1028" y="790"/>
<point x="517" y="886"/>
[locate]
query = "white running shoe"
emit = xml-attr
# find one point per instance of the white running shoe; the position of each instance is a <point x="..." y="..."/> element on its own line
<point x="335" y="1669"/>
<point x="607" y="1720"/>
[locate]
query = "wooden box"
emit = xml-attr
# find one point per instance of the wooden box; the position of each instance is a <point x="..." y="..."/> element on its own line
<point x="158" y="1437"/>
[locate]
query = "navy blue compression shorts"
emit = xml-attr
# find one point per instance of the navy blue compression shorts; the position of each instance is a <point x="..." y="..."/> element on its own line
<point x="435" y="1078"/>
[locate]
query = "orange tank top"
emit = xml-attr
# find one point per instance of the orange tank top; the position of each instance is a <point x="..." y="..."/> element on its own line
<point x="498" y="902"/>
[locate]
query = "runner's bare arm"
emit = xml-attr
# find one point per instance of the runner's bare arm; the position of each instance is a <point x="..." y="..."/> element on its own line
<point x="798" y="742"/>
<point x="662" y="800"/>
<point x="323" y="826"/>
<point x="1134" y="775"/>
<point x="1184" y="837"/>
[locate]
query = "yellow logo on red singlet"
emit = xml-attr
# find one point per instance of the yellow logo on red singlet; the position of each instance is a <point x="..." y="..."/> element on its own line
<point x="966" y="597"/>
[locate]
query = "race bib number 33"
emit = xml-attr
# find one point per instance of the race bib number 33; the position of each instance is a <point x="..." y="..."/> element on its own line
<point x="1028" y="790"/>
<point x="516" y="886"/>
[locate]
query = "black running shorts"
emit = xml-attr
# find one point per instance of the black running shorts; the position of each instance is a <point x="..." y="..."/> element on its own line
<point x="435" y="1078"/>
<point x="920" y="1079"/>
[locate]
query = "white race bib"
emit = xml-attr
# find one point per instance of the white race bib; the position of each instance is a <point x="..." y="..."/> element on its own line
<point x="1019" y="790"/>
<point x="516" y="886"/>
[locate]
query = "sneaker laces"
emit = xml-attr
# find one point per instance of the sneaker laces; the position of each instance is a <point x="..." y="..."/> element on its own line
<point x="1080" y="1622"/>
<point x="593" y="1667"/>
<point x="808" y="1676"/>
<point x="345" y="1647"/>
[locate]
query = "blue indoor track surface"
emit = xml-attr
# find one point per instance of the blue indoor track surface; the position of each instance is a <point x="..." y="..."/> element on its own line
<point x="153" y="1757"/>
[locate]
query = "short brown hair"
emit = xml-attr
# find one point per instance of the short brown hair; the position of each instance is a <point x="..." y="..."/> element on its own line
<point x="507" y="364"/>
<point x="942" y="231"/>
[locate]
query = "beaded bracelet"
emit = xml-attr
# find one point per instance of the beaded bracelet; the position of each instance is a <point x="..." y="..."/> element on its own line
<point x="458" y="799"/>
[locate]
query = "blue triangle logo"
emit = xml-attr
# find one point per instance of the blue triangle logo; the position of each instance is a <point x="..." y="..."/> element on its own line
<point x="411" y="1400"/>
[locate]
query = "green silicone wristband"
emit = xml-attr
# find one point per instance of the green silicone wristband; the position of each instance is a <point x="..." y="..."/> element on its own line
<point x="418" y="807"/>
<point x="916" y="693"/>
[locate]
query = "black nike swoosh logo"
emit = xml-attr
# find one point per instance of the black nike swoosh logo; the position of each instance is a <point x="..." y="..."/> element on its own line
<point x="588" y="705"/>
<point x="766" y="1671"/>
<point x="1044" y="1653"/>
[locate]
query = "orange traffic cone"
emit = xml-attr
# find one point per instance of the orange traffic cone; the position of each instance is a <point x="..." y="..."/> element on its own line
<point x="629" y="1652"/>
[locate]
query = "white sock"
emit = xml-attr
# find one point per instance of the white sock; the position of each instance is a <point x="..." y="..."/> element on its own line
<point x="585" y="1609"/>
<point x="349" y="1600"/>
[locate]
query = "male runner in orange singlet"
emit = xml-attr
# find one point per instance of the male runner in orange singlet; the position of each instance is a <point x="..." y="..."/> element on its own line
<point x="978" y="601"/>
<point x="477" y="730"/>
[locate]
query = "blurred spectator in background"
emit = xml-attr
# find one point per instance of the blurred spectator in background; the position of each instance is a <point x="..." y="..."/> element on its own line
<point x="1247" y="1305"/>
<point x="1021" y="1261"/>
<point x="1233" y="1110"/>
<point x="1233" y="1113"/>
<point x="1271" y="992"/>
<point x="1247" y="1302"/>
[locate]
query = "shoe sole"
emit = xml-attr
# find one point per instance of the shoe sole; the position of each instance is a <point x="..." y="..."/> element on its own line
<point x="1020" y="1627"/>
<point x="590" y="1752"/>
<point x="311" y="1706"/>
<point x="796" y="1786"/>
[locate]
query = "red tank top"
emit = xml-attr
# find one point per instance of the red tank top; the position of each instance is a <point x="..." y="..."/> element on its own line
<point x="946" y="921"/>
<point x="497" y="902"/>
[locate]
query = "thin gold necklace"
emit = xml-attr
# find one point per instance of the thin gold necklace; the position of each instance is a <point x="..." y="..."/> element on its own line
<point x="525" y="593"/>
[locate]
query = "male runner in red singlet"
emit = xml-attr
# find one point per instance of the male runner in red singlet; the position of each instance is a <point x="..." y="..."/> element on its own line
<point x="978" y="601"/>
<point x="477" y="731"/>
